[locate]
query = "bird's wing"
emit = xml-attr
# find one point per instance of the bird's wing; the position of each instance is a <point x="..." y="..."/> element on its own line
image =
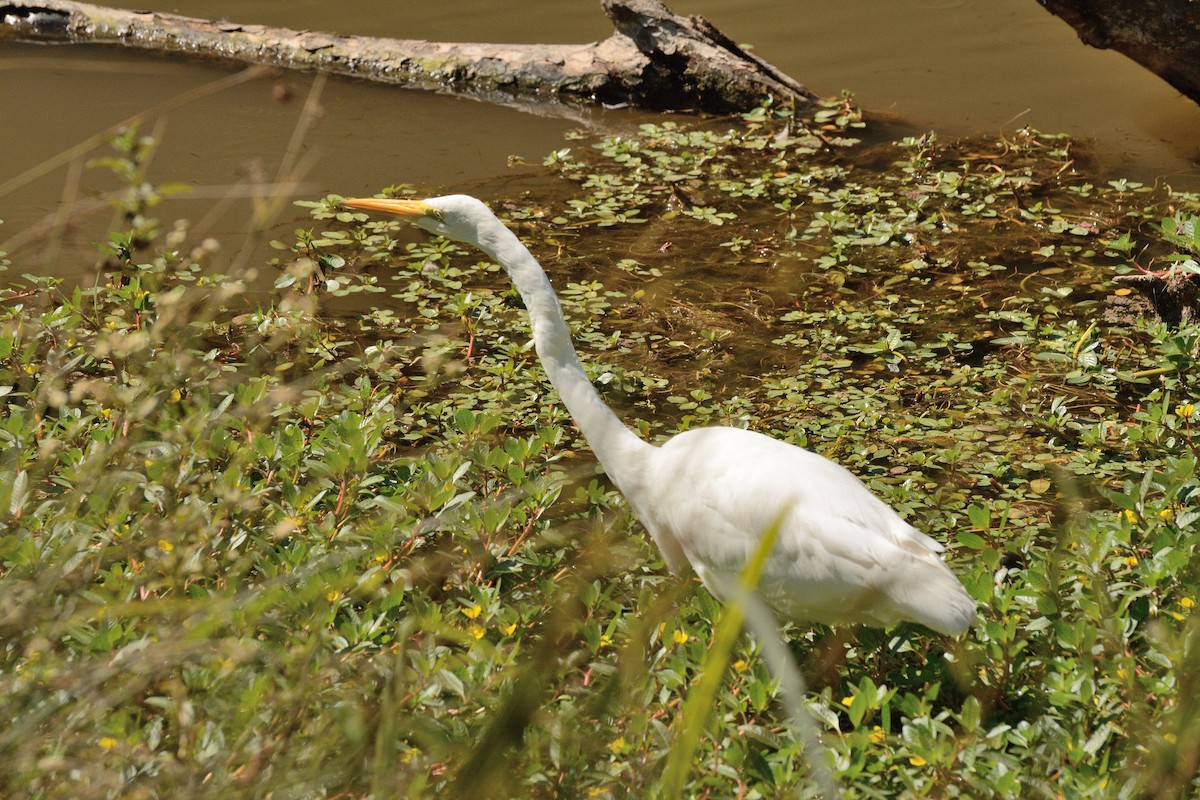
<point x="740" y="482"/>
<point x="839" y="547"/>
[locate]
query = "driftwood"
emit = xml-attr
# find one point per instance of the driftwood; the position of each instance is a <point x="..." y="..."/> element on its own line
<point x="655" y="59"/>
<point x="1161" y="35"/>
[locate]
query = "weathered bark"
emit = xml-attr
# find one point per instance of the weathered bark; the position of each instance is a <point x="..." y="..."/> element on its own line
<point x="1174" y="296"/>
<point x="1161" y="35"/>
<point x="655" y="59"/>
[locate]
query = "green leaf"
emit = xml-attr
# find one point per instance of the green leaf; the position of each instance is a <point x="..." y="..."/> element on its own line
<point x="971" y="714"/>
<point x="971" y="540"/>
<point x="464" y="420"/>
<point x="980" y="516"/>
<point x="858" y="709"/>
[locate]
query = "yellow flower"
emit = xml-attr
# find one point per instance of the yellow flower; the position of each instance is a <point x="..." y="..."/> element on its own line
<point x="107" y="743"/>
<point x="1131" y="561"/>
<point x="1187" y="602"/>
<point x="740" y="665"/>
<point x="471" y="612"/>
<point x="917" y="761"/>
<point x="1185" y="410"/>
<point x="332" y="595"/>
<point x="106" y="412"/>
<point x="848" y="700"/>
<point x="605" y="640"/>
<point x="508" y="629"/>
<point x="618" y="746"/>
<point x="176" y="395"/>
<point x="1167" y="515"/>
<point x="1170" y="738"/>
<point x="1130" y="516"/>
<point x="165" y="546"/>
<point x="476" y="630"/>
<point x="877" y="735"/>
<point x="679" y="636"/>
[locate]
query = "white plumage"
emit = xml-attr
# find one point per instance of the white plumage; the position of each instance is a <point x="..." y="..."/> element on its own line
<point x="707" y="496"/>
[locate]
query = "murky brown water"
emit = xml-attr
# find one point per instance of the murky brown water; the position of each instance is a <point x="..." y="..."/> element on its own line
<point x="955" y="66"/>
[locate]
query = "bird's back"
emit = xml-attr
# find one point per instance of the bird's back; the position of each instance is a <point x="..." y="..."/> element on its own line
<point x="842" y="555"/>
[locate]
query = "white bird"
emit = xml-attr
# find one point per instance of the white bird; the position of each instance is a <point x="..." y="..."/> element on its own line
<point x="708" y="495"/>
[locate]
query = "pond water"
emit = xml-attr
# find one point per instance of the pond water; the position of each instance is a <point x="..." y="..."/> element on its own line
<point x="954" y="66"/>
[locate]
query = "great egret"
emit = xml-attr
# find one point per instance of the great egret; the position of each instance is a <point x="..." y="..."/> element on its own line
<point x="708" y="495"/>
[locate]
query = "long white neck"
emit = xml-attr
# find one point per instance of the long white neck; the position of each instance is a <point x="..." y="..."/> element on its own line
<point x="619" y="450"/>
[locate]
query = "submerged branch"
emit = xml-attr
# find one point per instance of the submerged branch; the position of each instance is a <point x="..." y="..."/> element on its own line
<point x="655" y="59"/>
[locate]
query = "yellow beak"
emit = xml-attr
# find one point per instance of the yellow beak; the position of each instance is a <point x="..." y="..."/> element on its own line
<point x="399" y="208"/>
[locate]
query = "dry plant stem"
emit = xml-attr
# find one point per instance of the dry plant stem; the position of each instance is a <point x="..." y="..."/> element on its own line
<point x="291" y="169"/>
<point x="51" y="164"/>
<point x="76" y="209"/>
<point x="655" y="58"/>
<point x="70" y="209"/>
<point x="61" y="216"/>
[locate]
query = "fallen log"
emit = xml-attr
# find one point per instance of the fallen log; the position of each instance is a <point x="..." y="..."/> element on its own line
<point x="655" y="59"/>
<point x="1161" y="35"/>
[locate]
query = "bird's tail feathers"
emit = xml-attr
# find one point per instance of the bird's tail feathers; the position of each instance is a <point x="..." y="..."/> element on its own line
<point x="934" y="597"/>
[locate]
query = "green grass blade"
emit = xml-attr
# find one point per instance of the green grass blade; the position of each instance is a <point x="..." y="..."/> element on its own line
<point x="761" y="623"/>
<point x="696" y="708"/>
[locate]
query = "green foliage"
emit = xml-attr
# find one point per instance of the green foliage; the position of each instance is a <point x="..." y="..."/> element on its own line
<point x="137" y="202"/>
<point x="338" y="538"/>
<point x="1183" y="232"/>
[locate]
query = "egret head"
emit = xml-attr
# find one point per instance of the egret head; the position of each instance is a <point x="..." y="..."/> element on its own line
<point x="456" y="216"/>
